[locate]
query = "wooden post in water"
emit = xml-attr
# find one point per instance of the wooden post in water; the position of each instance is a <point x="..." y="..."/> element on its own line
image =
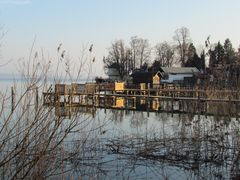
<point x="93" y="100"/>
<point x="126" y="102"/>
<point x="179" y="105"/>
<point x="172" y="104"/>
<point x="105" y="99"/>
<point x="13" y="99"/>
<point x="198" y="103"/>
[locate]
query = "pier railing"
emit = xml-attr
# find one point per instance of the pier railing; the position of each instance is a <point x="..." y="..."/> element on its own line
<point x="157" y="99"/>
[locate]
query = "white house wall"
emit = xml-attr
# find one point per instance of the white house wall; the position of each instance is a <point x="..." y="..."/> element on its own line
<point x="176" y="77"/>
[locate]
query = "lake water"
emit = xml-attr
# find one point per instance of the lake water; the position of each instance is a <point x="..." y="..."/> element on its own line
<point x="135" y="146"/>
<point x="119" y="144"/>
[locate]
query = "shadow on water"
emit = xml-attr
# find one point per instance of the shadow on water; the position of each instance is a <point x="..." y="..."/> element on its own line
<point x="155" y="141"/>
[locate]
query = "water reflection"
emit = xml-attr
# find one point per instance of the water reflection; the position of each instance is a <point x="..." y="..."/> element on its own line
<point x="144" y="143"/>
<point x="188" y="107"/>
<point x="68" y="111"/>
<point x="199" y="147"/>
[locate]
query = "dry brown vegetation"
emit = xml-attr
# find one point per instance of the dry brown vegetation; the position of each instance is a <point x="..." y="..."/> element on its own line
<point x="33" y="141"/>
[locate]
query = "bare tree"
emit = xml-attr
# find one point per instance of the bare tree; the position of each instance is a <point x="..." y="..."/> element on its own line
<point x="164" y="54"/>
<point x="140" y="51"/>
<point x="125" y="59"/>
<point x="182" y="37"/>
<point x="118" y="58"/>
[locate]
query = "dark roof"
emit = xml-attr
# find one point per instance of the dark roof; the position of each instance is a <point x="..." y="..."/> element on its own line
<point x="142" y="74"/>
<point x="142" y="77"/>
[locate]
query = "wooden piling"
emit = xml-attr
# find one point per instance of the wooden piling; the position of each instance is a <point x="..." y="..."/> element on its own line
<point x="126" y="102"/>
<point x="93" y="100"/>
<point x="179" y="105"/>
<point x="105" y="92"/>
<point x="198" y="103"/>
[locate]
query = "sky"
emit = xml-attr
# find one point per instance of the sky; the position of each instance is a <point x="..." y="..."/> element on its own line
<point x="80" y="23"/>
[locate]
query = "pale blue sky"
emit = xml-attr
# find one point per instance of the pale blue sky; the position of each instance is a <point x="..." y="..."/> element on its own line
<point x="77" y="22"/>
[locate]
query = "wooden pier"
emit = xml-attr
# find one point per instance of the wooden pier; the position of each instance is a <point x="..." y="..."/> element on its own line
<point x="157" y="99"/>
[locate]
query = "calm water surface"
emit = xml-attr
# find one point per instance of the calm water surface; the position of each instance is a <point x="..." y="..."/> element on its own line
<point x="122" y="144"/>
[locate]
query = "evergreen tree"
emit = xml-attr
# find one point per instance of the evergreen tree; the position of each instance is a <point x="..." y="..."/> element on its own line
<point x="216" y="55"/>
<point x="191" y="51"/>
<point x="193" y="60"/>
<point x="219" y="51"/>
<point x="229" y="53"/>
